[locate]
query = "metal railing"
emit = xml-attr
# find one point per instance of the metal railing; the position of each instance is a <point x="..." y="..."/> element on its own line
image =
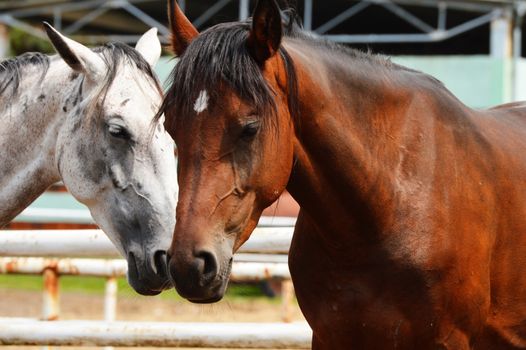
<point x="55" y="253"/>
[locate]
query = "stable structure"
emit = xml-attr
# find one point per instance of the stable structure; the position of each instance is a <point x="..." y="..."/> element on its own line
<point x="480" y="38"/>
<point x="433" y="26"/>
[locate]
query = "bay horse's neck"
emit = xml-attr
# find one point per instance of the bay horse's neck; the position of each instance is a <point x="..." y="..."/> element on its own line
<point x="31" y="118"/>
<point x="361" y="119"/>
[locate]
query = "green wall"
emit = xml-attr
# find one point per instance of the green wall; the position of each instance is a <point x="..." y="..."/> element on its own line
<point x="478" y="81"/>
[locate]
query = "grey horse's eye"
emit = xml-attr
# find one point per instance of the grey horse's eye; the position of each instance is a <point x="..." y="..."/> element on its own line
<point x="118" y="131"/>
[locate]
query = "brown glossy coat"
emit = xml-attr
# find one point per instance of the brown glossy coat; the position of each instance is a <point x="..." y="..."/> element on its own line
<point x="412" y="229"/>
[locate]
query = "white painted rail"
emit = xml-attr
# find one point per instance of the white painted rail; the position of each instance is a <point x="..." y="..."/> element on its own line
<point x="241" y="271"/>
<point x="83" y="216"/>
<point x="94" y="243"/>
<point x="98" y="333"/>
<point x="54" y="253"/>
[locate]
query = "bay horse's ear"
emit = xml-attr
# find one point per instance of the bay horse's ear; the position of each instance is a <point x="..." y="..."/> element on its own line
<point x="183" y="31"/>
<point x="265" y="37"/>
<point x="79" y="57"/>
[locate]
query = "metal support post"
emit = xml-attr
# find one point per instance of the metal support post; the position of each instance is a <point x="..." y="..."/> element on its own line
<point x="51" y="295"/>
<point x="244" y="9"/>
<point x="57" y="18"/>
<point x="50" y="304"/>
<point x="442" y="16"/>
<point x="4" y="42"/>
<point x="501" y="47"/>
<point x="110" y="302"/>
<point x="307" y="15"/>
<point x="287" y="295"/>
<point x="501" y="42"/>
<point x="110" y="299"/>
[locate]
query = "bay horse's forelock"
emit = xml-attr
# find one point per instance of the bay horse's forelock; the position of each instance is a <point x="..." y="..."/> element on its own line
<point x="412" y="222"/>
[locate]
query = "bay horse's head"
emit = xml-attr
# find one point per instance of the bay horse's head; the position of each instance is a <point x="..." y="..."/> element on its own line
<point x="228" y="113"/>
<point x="112" y="158"/>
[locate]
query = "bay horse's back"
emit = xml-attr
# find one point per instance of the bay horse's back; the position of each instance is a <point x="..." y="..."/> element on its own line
<point x="506" y="324"/>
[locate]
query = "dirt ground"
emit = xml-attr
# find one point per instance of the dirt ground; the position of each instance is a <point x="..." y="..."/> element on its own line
<point x="17" y="303"/>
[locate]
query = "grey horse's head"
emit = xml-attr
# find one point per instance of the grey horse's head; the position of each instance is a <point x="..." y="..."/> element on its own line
<point x="113" y="158"/>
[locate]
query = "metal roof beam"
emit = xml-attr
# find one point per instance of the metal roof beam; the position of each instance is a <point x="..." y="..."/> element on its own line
<point x="437" y="35"/>
<point x="405" y="15"/>
<point x="342" y="17"/>
<point x="13" y="22"/>
<point x="68" y="7"/>
<point x="208" y="14"/>
<point x="85" y="20"/>
<point x="144" y="17"/>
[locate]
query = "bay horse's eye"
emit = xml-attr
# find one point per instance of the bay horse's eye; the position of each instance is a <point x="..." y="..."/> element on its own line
<point x="249" y="131"/>
<point x="118" y="131"/>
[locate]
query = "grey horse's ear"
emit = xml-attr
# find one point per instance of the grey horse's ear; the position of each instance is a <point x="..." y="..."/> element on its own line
<point x="149" y="47"/>
<point x="77" y="56"/>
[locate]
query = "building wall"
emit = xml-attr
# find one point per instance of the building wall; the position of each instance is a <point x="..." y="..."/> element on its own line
<point x="478" y="81"/>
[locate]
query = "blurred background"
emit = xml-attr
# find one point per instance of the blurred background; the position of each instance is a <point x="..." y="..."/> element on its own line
<point x="475" y="47"/>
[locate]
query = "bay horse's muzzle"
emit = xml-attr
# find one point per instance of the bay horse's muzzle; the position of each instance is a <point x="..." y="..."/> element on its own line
<point x="148" y="275"/>
<point x="197" y="278"/>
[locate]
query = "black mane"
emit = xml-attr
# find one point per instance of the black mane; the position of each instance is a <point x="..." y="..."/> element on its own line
<point x="219" y="56"/>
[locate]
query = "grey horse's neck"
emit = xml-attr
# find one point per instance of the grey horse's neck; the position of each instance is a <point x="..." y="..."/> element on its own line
<point x="31" y="115"/>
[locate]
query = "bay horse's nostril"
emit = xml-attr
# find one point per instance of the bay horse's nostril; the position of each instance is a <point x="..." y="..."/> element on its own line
<point x="207" y="266"/>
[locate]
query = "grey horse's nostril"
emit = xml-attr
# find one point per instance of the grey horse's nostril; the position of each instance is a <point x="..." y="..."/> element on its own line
<point x="133" y="270"/>
<point x="160" y="263"/>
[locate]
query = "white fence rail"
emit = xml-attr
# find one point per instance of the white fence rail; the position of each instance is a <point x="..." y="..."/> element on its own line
<point x="189" y="335"/>
<point x="241" y="270"/>
<point x="94" y="243"/>
<point x="50" y="253"/>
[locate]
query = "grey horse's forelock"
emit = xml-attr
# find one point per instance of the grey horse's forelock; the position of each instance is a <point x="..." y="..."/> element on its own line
<point x="115" y="55"/>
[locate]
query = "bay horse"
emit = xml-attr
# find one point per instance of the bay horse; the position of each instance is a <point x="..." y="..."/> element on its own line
<point x="84" y="117"/>
<point x="412" y="228"/>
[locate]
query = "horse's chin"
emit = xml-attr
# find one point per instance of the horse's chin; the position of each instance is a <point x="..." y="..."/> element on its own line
<point x="206" y="301"/>
<point x="204" y="296"/>
<point x="147" y="292"/>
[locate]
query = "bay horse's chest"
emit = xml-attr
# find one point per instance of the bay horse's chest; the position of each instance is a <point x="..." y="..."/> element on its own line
<point x="384" y="297"/>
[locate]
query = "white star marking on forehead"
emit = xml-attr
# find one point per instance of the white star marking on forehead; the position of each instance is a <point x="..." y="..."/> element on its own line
<point x="201" y="103"/>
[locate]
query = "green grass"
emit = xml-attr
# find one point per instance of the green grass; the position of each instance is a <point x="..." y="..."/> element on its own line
<point x="67" y="283"/>
<point x="21" y="282"/>
<point x="95" y="285"/>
